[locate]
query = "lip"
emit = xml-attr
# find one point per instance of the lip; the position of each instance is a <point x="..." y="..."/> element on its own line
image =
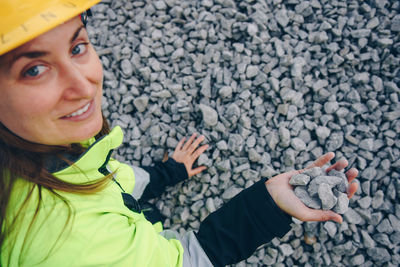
<point x="82" y="116"/>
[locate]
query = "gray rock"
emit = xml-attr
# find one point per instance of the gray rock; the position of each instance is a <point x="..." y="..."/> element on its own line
<point x="361" y="78"/>
<point x="251" y="71"/>
<point x="392" y="115"/>
<point x="224" y="165"/>
<point x="206" y="87"/>
<point x="334" y="142"/>
<point x="177" y="54"/>
<point x="289" y="157"/>
<point x="325" y="194"/>
<point x="298" y="144"/>
<point x="141" y="103"/>
<point x="318" y="85"/>
<point x="286" y="249"/>
<point x="210" y="206"/>
<point x="331" y="228"/>
<point x="347" y="248"/>
<point x="395" y="25"/>
<point x="367" y="144"/>
<point x="342" y="204"/>
<point x="225" y="92"/>
<point x="250" y="175"/>
<point x="303" y="195"/>
<point x="252" y="29"/>
<point x="272" y="140"/>
<point x="383" y="239"/>
<point x="377" y="199"/>
<point x="364" y="202"/>
<point x="292" y="112"/>
<point x="353" y="217"/>
<point x="284" y="136"/>
<point x="314" y="172"/>
<point x="323" y="179"/>
<point x="331" y="107"/>
<point x="369" y="173"/>
<point x="379" y="255"/>
<point x="384" y="227"/>
<point x="235" y="143"/>
<point x="204" y="160"/>
<point x="230" y="192"/>
<point x="368" y="242"/>
<point x="299" y="179"/>
<point x="282" y="17"/>
<point x="357" y="260"/>
<point x="254" y="156"/>
<point x="344" y="184"/>
<point x="360" y="33"/>
<point x="394" y="222"/>
<point x="197" y="206"/>
<point x="126" y="67"/>
<point x="210" y="116"/>
<point x="222" y="145"/>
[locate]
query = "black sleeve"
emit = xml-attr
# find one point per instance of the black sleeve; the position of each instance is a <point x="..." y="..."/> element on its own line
<point x="238" y="228"/>
<point x="163" y="174"/>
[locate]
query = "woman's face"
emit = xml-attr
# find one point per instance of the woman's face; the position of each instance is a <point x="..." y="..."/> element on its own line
<point x="51" y="87"/>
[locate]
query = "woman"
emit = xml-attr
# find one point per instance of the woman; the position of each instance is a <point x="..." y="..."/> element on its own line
<point x="65" y="201"/>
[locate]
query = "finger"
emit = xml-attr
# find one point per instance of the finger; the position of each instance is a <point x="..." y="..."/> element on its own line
<point x="352" y="189"/>
<point x="321" y="161"/>
<point x="189" y="142"/>
<point x="197" y="170"/>
<point x="179" y="145"/>
<point x="323" y="215"/>
<point x="198" y="152"/>
<point x="351" y="174"/>
<point x="196" y="143"/>
<point x="165" y="157"/>
<point x="339" y="165"/>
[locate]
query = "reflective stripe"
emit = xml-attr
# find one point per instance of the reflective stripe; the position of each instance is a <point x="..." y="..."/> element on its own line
<point x="193" y="253"/>
<point x="142" y="179"/>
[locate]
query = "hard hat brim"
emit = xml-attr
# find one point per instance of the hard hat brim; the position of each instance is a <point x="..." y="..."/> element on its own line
<point x="22" y="21"/>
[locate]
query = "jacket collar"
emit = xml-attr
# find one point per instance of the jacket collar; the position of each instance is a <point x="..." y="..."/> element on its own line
<point x="93" y="157"/>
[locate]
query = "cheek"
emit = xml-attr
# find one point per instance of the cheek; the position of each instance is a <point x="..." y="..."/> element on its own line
<point x="97" y="69"/>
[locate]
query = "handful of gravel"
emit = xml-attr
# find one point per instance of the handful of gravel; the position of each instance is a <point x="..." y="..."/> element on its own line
<point x="317" y="189"/>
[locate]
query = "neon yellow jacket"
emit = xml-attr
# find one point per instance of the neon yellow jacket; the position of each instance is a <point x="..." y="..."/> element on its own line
<point x="103" y="232"/>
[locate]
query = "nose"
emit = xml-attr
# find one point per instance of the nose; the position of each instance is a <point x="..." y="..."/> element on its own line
<point x="76" y="82"/>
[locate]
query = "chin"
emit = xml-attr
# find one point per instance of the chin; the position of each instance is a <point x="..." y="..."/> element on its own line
<point x="89" y="131"/>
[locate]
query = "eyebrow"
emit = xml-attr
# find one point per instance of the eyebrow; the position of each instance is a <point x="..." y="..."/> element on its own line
<point x="37" y="54"/>
<point x="76" y="34"/>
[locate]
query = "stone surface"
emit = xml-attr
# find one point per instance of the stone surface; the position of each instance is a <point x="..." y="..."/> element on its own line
<point x="299" y="179"/>
<point x="325" y="194"/>
<point x="210" y="116"/>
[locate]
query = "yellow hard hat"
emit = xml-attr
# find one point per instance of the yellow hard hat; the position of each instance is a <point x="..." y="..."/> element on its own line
<point x="23" y="20"/>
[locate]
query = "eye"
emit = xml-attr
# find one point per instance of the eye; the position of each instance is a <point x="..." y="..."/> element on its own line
<point x="34" y="71"/>
<point x="79" y="49"/>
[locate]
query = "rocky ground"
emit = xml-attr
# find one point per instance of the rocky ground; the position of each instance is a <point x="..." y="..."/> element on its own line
<point x="272" y="85"/>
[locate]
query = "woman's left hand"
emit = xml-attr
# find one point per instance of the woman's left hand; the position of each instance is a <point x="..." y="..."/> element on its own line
<point x="282" y="192"/>
<point x="187" y="153"/>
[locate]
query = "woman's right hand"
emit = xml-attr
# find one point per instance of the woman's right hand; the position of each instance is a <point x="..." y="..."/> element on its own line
<point x="283" y="195"/>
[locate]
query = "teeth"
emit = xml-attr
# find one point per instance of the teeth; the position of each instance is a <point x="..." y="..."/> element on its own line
<point x="79" y="112"/>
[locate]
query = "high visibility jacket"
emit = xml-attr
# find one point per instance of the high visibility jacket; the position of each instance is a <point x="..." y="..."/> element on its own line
<point x="100" y="230"/>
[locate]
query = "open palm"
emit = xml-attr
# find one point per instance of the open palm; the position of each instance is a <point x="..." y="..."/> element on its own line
<point x="282" y="192"/>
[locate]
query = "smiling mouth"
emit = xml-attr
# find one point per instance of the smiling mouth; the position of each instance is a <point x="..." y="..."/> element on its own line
<point x="79" y="111"/>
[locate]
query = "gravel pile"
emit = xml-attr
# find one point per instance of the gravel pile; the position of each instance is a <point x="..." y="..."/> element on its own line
<point x="272" y="85"/>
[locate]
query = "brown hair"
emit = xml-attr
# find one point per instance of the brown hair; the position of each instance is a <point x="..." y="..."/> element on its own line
<point x="23" y="159"/>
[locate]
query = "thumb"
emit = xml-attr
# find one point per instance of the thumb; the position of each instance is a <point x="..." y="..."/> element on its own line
<point x="324" y="215"/>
